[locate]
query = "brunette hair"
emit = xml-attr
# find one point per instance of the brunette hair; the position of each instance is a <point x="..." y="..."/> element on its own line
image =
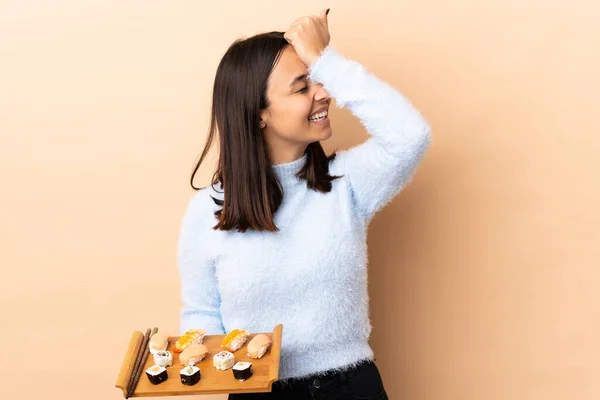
<point x="252" y="191"/>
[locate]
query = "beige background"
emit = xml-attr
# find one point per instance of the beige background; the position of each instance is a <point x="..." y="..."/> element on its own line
<point x="484" y="272"/>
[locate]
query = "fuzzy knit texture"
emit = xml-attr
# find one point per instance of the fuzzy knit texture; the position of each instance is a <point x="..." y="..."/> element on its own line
<point x="311" y="276"/>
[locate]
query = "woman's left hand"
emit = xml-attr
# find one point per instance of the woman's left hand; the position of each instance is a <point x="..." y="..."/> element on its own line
<point x="309" y="36"/>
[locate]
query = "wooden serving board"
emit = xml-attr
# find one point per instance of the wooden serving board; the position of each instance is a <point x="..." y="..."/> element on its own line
<point x="212" y="381"/>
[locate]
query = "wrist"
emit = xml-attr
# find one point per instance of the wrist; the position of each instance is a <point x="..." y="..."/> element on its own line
<point x="316" y="55"/>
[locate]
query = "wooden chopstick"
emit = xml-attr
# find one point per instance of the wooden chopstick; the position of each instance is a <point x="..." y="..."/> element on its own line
<point x="140" y="362"/>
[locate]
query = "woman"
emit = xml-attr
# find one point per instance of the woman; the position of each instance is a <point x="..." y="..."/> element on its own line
<point x="280" y="235"/>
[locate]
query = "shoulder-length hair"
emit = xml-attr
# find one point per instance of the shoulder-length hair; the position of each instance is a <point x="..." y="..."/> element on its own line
<point x="252" y="191"/>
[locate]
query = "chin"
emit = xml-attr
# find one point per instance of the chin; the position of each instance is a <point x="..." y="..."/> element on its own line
<point x="324" y="135"/>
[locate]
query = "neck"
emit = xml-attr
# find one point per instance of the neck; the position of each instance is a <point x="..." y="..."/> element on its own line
<point x="288" y="154"/>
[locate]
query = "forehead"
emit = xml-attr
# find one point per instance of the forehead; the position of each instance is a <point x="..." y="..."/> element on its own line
<point x="287" y="68"/>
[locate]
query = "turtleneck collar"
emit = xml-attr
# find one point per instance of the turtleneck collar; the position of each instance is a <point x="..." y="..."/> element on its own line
<point x="287" y="172"/>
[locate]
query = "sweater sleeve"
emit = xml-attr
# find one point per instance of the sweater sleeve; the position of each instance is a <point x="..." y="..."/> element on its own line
<point x="379" y="168"/>
<point x="199" y="290"/>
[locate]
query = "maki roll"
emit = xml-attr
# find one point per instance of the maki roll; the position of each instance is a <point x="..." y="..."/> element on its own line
<point x="258" y="346"/>
<point x="192" y="336"/>
<point x="193" y="354"/>
<point x="163" y="358"/>
<point x="242" y="370"/>
<point x="234" y="340"/>
<point x="190" y="375"/>
<point x="157" y="374"/>
<point x="223" y="360"/>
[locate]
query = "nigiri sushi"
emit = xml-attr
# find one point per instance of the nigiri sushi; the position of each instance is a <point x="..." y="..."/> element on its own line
<point x="189" y="337"/>
<point x="158" y="342"/>
<point x="193" y="354"/>
<point x="258" y="346"/>
<point x="234" y="340"/>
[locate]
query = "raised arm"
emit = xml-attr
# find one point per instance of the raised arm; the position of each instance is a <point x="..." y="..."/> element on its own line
<point x="382" y="166"/>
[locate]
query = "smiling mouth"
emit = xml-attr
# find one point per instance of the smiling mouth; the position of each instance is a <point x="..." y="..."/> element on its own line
<point x="320" y="116"/>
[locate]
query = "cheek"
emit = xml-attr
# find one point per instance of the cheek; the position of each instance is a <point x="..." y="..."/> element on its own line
<point x="292" y="119"/>
<point x="297" y="114"/>
<point x="304" y="110"/>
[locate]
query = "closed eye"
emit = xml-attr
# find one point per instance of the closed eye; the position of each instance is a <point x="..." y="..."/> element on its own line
<point x="303" y="90"/>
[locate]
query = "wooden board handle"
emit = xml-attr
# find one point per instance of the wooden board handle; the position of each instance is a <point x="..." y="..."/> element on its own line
<point x="275" y="355"/>
<point x="128" y="363"/>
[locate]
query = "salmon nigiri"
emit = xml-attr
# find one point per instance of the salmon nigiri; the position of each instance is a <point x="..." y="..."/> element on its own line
<point x="258" y="346"/>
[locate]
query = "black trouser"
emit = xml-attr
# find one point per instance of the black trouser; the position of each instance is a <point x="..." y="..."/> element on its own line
<point x="361" y="382"/>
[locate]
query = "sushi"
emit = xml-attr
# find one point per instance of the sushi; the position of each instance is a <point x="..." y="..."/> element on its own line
<point x="258" y="346"/>
<point x="242" y="370"/>
<point x="158" y="342"/>
<point x="234" y="340"/>
<point x="190" y="375"/>
<point x="189" y="337"/>
<point x="157" y="374"/>
<point x="193" y="354"/>
<point x="163" y="358"/>
<point x="223" y="360"/>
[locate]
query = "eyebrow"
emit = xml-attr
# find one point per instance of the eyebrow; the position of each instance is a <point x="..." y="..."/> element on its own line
<point x="298" y="79"/>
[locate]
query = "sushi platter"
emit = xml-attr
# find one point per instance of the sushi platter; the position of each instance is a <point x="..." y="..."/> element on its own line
<point x="194" y="363"/>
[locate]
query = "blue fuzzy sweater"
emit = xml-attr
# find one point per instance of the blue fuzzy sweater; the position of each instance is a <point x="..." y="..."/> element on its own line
<point x="311" y="276"/>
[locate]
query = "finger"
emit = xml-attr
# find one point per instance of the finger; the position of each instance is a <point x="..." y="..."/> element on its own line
<point x="287" y="36"/>
<point x="301" y="20"/>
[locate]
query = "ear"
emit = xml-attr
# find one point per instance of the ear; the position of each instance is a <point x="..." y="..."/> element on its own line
<point x="263" y="118"/>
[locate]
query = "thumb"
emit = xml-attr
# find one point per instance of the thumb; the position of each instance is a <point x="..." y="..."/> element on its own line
<point x="323" y="14"/>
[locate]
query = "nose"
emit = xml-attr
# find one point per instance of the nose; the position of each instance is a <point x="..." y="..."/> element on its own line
<point x="320" y="92"/>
